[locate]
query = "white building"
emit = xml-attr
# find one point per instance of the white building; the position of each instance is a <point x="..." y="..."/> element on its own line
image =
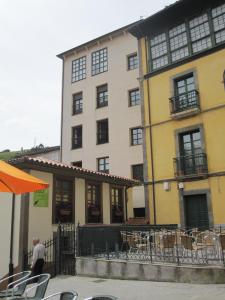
<point x="101" y="126"/>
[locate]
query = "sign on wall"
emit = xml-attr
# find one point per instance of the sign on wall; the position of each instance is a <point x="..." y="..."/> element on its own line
<point x="40" y="198"/>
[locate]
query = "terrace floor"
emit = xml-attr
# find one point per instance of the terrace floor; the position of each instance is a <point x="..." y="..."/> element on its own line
<point x="130" y="290"/>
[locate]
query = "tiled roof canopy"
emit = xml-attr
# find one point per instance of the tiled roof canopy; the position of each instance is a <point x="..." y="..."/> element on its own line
<point x="55" y="167"/>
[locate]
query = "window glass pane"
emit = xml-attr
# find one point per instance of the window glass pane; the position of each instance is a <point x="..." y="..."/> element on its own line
<point x="219" y="22"/>
<point x="160" y="62"/>
<point x="117" y="213"/>
<point x="159" y="50"/>
<point x="177" y="30"/>
<point x="99" y="61"/>
<point x="201" y="45"/>
<point x="200" y="32"/>
<point x="63" y="201"/>
<point x="132" y="61"/>
<point x="179" y="54"/>
<point x="77" y="103"/>
<point x="134" y="97"/>
<point x="93" y="203"/>
<point x="199" y="20"/>
<point x="220" y="36"/>
<point x="158" y="39"/>
<point x="102" y="95"/>
<point x="218" y="10"/>
<point x="79" y="69"/>
<point x="178" y="41"/>
<point x="136" y="136"/>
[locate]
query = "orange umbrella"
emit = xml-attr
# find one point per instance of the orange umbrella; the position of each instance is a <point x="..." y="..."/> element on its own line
<point x="18" y="182"/>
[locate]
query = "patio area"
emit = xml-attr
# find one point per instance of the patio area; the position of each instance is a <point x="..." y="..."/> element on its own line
<point x="132" y="290"/>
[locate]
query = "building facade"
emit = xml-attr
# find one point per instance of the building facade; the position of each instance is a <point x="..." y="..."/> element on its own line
<point x="182" y="58"/>
<point x="74" y="196"/>
<point x="101" y="127"/>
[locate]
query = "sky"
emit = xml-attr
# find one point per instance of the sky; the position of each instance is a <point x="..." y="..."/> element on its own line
<point x="32" y="33"/>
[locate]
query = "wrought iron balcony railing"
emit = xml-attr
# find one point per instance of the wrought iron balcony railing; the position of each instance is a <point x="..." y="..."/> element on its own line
<point x="191" y="165"/>
<point x="184" y="102"/>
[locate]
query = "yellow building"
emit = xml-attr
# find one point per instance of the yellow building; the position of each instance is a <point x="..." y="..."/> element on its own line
<point x="182" y="78"/>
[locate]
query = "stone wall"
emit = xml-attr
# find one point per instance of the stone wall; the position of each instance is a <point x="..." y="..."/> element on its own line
<point x="146" y="271"/>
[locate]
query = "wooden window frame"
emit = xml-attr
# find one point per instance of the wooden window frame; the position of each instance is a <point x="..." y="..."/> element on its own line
<point x="89" y="182"/>
<point x="123" y="204"/>
<point x="63" y="178"/>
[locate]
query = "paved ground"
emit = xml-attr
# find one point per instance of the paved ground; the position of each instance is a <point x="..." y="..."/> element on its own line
<point x="130" y="290"/>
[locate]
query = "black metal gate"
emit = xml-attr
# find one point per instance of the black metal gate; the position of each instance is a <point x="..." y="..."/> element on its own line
<point x="66" y="238"/>
<point x="60" y="252"/>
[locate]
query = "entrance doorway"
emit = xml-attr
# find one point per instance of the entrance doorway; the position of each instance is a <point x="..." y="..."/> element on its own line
<point x="196" y="211"/>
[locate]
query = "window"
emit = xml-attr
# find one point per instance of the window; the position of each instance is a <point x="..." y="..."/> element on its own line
<point x="134" y="97"/>
<point x="63" y="202"/>
<point x="132" y="61"/>
<point x="117" y="214"/>
<point x="200" y="33"/>
<point x="136" y="136"/>
<point x="186" y="96"/>
<point x="103" y="164"/>
<point x="188" y="38"/>
<point x="218" y="15"/>
<point x="137" y="172"/>
<point x="77" y="137"/>
<point x="79" y="69"/>
<point x="102" y="132"/>
<point x="139" y="212"/>
<point x="77" y="103"/>
<point x="102" y="95"/>
<point x="192" y="160"/>
<point x="99" y="62"/>
<point x="93" y="203"/>
<point x="178" y="42"/>
<point x="77" y="164"/>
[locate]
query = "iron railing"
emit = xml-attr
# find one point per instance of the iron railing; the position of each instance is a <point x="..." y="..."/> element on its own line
<point x="191" y="165"/>
<point x="184" y="102"/>
<point x="154" y="245"/>
<point x="50" y="265"/>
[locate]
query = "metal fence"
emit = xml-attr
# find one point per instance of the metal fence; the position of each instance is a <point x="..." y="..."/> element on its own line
<point x="160" y="244"/>
<point x="50" y="265"/>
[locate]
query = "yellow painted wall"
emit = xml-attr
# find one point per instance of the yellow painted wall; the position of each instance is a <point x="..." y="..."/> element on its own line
<point x="157" y="91"/>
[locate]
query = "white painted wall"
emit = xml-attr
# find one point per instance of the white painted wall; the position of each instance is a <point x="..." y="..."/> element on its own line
<point x="5" y="231"/>
<point x="121" y="117"/>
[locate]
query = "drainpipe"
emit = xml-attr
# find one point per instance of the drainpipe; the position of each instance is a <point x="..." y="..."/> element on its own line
<point x="151" y="146"/>
<point x="126" y="200"/>
<point x="61" y="134"/>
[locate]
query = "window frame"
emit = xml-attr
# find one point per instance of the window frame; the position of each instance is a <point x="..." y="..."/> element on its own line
<point x="74" y="111"/>
<point x="105" y="103"/>
<point x="129" y="56"/>
<point x="77" y="162"/>
<point x="132" y="172"/>
<point x="98" y="140"/>
<point x="62" y="178"/>
<point x="111" y="206"/>
<point x="129" y="97"/>
<point x="84" y="74"/>
<point x="131" y="136"/>
<point x="191" y="53"/>
<point x="93" y="66"/>
<point x="80" y="145"/>
<point x="99" y="184"/>
<point x="106" y="171"/>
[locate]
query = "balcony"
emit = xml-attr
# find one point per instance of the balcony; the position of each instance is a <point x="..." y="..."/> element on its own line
<point x="185" y="104"/>
<point x="191" y="166"/>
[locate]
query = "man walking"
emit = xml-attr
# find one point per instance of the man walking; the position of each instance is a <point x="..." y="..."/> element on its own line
<point x="38" y="257"/>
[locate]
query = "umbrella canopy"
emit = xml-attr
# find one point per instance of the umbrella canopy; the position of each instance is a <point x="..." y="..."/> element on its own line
<point x="18" y="182"/>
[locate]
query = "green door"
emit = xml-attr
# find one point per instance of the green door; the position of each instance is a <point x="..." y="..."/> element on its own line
<point x="196" y="211"/>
